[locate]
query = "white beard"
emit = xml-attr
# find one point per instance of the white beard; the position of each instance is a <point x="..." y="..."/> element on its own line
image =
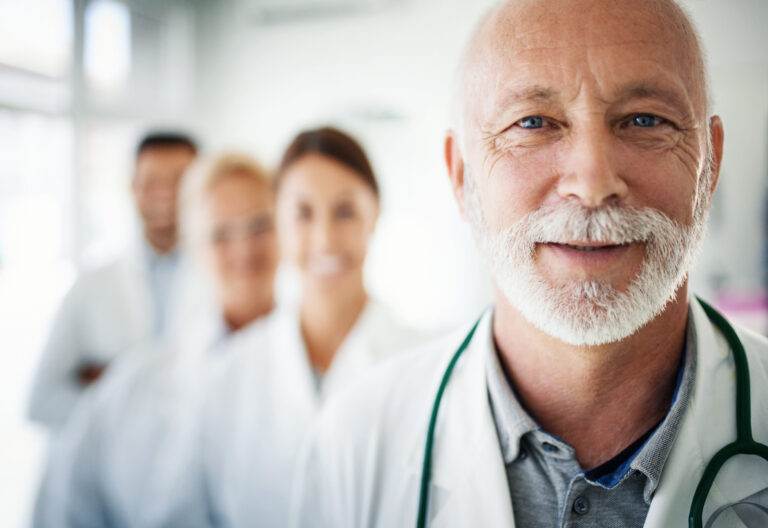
<point x="590" y="312"/>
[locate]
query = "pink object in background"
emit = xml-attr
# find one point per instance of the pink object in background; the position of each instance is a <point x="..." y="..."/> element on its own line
<point x="747" y="308"/>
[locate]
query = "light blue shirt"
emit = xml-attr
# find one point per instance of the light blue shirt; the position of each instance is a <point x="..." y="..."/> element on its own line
<point x="161" y="269"/>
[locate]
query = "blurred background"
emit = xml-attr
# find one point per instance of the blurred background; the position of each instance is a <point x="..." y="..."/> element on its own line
<point x="81" y="80"/>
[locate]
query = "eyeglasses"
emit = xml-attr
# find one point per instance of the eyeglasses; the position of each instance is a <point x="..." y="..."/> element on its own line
<point x="245" y="227"/>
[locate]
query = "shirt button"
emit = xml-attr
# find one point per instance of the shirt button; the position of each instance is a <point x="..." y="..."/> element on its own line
<point x="522" y="455"/>
<point x="581" y="505"/>
<point x="549" y="448"/>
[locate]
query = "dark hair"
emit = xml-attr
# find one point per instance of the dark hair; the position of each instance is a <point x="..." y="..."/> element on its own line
<point x="335" y="144"/>
<point x="165" y="140"/>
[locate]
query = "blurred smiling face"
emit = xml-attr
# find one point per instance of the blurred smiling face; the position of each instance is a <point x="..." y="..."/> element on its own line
<point x="156" y="184"/>
<point x="327" y="215"/>
<point x="241" y="237"/>
<point x="587" y="177"/>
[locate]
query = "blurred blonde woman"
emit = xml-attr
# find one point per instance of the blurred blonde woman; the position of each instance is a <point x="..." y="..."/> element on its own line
<point x="133" y="443"/>
<point x="267" y="397"/>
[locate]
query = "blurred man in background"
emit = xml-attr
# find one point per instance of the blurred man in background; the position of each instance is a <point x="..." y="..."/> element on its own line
<point x="113" y="307"/>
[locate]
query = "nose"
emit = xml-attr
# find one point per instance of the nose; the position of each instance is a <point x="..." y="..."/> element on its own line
<point x="240" y="247"/>
<point x="163" y="194"/>
<point x="322" y="234"/>
<point x="591" y="174"/>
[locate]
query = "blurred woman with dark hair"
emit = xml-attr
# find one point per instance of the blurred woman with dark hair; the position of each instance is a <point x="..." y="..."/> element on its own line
<point x="265" y="399"/>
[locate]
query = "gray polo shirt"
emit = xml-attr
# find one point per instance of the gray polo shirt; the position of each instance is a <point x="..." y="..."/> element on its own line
<point x="548" y="487"/>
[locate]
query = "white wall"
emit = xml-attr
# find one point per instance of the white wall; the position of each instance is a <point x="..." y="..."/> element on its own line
<point x="260" y="84"/>
<point x="737" y="48"/>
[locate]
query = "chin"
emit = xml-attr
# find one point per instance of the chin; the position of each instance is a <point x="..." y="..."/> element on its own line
<point x="589" y="313"/>
<point x="325" y="278"/>
<point x="328" y="280"/>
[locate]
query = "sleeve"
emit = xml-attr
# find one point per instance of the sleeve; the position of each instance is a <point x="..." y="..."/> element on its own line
<point x="55" y="388"/>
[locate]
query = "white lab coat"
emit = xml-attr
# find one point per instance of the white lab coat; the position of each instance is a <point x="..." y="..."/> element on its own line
<point x="363" y="466"/>
<point x="107" y="311"/>
<point x="128" y="456"/>
<point x="266" y="398"/>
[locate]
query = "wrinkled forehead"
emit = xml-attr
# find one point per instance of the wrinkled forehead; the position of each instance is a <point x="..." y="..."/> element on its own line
<point x="559" y="46"/>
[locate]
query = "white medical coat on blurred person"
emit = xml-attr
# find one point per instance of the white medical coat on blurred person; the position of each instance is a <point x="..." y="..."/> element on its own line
<point x="108" y="310"/>
<point x="128" y="454"/>
<point x="262" y="403"/>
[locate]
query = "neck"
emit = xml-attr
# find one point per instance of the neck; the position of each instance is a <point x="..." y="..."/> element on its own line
<point x="238" y="315"/>
<point x="622" y="389"/>
<point x="327" y="316"/>
<point x="162" y="240"/>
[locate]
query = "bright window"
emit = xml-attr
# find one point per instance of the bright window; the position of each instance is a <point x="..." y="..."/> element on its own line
<point x="23" y="22"/>
<point x="107" y="58"/>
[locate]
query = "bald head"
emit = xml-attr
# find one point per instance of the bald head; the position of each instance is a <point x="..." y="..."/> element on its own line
<point x="514" y="28"/>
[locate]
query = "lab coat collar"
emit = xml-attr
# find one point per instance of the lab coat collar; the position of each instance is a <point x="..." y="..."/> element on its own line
<point x="353" y="355"/>
<point x="467" y="461"/>
<point x="708" y="425"/>
<point x="134" y="269"/>
<point x="291" y="356"/>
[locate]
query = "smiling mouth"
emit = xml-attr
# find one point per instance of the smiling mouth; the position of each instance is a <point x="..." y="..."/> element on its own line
<point x="326" y="265"/>
<point x="590" y="247"/>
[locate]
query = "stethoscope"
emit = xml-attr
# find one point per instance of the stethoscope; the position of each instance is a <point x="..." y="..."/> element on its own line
<point x="744" y="444"/>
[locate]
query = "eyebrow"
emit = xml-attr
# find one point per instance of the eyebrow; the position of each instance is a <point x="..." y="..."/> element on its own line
<point x="652" y="91"/>
<point x="540" y="93"/>
<point x="343" y="195"/>
<point x="537" y="93"/>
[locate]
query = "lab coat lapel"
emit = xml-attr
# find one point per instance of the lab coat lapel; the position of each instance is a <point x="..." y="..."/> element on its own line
<point x="469" y="482"/>
<point x="708" y="425"/>
<point x="354" y="354"/>
<point x="293" y="362"/>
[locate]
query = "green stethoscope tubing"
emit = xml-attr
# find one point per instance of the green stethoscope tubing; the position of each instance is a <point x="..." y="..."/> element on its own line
<point x="744" y="444"/>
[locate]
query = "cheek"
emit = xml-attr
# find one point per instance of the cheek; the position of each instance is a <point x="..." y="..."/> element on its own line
<point x="516" y="186"/>
<point x="292" y="239"/>
<point x="356" y="242"/>
<point x="665" y="182"/>
<point x="219" y="257"/>
<point x="266" y="248"/>
<point x="356" y="233"/>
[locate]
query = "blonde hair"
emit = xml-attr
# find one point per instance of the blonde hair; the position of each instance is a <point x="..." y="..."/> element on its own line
<point x="204" y="176"/>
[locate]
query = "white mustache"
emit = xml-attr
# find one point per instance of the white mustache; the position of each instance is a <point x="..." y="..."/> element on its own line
<point x="571" y="222"/>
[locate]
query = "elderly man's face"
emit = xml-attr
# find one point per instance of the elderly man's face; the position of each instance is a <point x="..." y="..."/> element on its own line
<point x="580" y="107"/>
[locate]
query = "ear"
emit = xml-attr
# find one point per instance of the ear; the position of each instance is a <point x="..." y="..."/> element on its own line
<point x="454" y="162"/>
<point x="716" y="138"/>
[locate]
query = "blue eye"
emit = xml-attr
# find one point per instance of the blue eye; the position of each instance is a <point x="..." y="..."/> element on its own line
<point x="531" y="122"/>
<point x="646" y="120"/>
